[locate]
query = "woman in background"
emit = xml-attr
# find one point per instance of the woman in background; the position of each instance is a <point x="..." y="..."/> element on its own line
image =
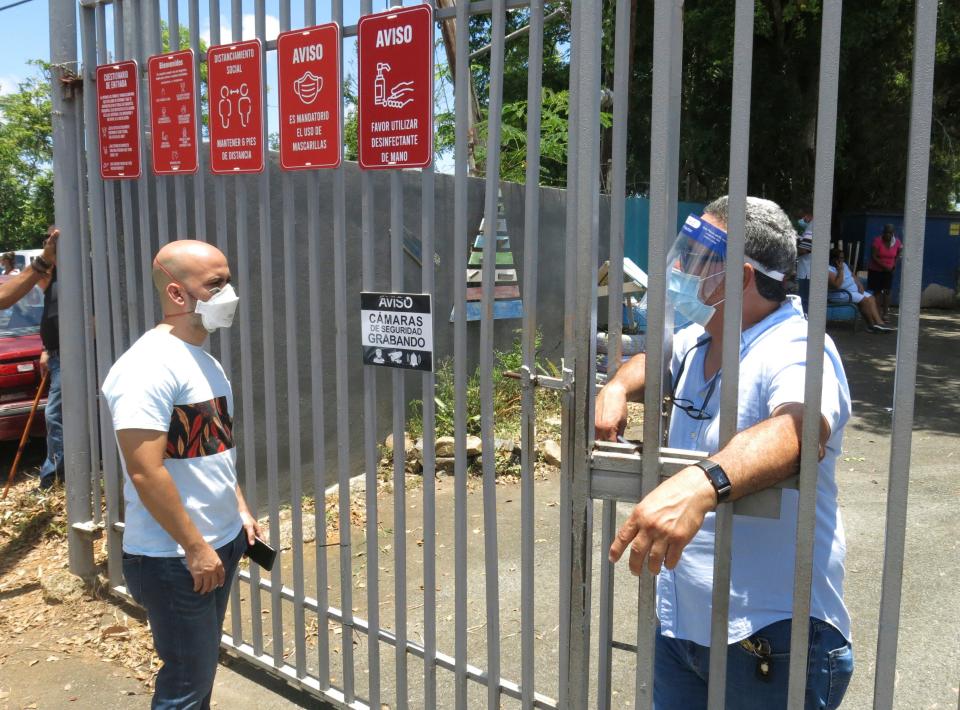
<point x="884" y="254"/>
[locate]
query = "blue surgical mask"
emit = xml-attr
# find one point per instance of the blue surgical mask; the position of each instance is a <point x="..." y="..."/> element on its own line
<point x="684" y="291"/>
<point x="803" y="223"/>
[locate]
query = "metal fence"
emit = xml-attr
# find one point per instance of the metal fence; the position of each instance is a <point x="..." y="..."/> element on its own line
<point x="112" y="230"/>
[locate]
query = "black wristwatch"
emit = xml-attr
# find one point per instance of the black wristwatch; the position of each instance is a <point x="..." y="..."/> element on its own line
<point x="717" y="477"/>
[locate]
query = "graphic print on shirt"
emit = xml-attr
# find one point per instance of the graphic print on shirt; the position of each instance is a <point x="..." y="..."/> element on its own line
<point x="201" y="429"/>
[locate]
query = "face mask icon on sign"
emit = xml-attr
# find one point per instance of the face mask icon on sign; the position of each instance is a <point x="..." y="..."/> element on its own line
<point x="308" y="87"/>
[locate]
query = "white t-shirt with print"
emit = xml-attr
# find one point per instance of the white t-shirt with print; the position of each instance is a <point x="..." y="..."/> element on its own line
<point x="163" y="383"/>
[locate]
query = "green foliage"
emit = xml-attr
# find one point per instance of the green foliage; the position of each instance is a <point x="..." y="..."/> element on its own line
<point x="554" y="134"/>
<point x="26" y="153"/>
<point x="185" y="44"/>
<point x="872" y="109"/>
<point x="507" y="393"/>
<point x="351" y="123"/>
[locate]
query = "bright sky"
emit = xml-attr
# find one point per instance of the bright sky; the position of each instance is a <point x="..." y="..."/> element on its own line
<point x="24" y="35"/>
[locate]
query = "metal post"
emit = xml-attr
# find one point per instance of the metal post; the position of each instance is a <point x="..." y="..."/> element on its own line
<point x="817" y="315"/>
<point x="528" y="442"/>
<point x="918" y="163"/>
<point x="584" y="189"/>
<point x="460" y="353"/>
<point x="492" y="195"/>
<point x="76" y="437"/>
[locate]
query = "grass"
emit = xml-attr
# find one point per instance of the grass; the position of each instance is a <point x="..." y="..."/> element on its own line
<point x="507" y="396"/>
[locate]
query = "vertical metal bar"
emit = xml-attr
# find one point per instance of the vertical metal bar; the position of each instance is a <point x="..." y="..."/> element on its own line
<point x="122" y="26"/>
<point x="399" y="453"/>
<point x="138" y="52"/>
<point x="113" y="479"/>
<point x="817" y="317"/>
<point x="585" y="239"/>
<point x="199" y="194"/>
<point x="173" y="24"/>
<point x="918" y="163"/>
<point x="173" y="31"/>
<point x="153" y="44"/>
<point x="63" y="53"/>
<point x="110" y="210"/>
<point x="605" y="657"/>
<point x="269" y="360"/>
<point x="733" y="305"/>
<point x="621" y="87"/>
<point x="249" y="451"/>
<point x="317" y="403"/>
<point x="90" y="360"/>
<point x="371" y="452"/>
<point x="399" y="448"/>
<point x="566" y="664"/>
<point x="343" y="416"/>
<point x="317" y="400"/>
<point x="658" y="341"/>
<point x="427" y="231"/>
<point x="490" y="543"/>
<point x="463" y="81"/>
<point x="293" y="401"/>
<point x="528" y="436"/>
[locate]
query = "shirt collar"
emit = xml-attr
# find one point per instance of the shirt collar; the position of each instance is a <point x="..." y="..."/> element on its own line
<point x="788" y="309"/>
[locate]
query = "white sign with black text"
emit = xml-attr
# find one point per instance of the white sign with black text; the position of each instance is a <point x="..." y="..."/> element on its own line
<point x="397" y="330"/>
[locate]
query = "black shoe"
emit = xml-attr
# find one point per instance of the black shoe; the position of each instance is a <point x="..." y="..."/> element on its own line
<point x="47" y="482"/>
<point x="884" y="329"/>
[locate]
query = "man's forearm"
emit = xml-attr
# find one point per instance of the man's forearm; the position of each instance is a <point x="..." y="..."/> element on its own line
<point x="761" y="456"/>
<point x="160" y="497"/>
<point x="18" y="286"/>
<point x="632" y="377"/>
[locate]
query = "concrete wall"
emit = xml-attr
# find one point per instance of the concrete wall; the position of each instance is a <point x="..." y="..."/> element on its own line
<point x="550" y="292"/>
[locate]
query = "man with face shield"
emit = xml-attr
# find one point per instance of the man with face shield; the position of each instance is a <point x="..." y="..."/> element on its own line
<point x="187" y="524"/>
<point x="671" y="531"/>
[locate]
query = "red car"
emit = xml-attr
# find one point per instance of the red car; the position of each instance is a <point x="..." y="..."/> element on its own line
<point x="20" y="349"/>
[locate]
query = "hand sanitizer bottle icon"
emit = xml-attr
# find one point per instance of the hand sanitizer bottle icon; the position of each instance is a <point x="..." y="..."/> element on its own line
<point x="380" y="85"/>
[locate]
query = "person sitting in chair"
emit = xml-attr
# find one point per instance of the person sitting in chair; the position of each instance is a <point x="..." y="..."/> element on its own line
<point x="842" y="278"/>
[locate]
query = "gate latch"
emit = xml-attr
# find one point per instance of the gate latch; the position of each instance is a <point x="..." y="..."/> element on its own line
<point x="530" y="379"/>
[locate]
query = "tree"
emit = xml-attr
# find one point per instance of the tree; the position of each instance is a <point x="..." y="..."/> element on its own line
<point x="872" y="112"/>
<point x="26" y="154"/>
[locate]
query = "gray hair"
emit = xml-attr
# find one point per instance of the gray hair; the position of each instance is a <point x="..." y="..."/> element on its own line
<point x="769" y="238"/>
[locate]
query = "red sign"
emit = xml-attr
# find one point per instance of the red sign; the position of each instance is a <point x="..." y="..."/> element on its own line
<point x="118" y="120"/>
<point x="235" y="81"/>
<point x="396" y="88"/>
<point x="308" y="64"/>
<point x="173" y="113"/>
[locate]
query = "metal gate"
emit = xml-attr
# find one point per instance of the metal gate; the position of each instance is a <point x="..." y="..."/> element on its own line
<point x="113" y="229"/>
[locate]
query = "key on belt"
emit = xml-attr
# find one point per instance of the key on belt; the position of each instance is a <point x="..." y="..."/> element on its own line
<point x="760" y="648"/>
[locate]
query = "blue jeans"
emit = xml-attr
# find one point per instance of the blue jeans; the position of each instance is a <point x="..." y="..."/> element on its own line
<point x="53" y="464"/>
<point x="186" y="625"/>
<point x="681" y="671"/>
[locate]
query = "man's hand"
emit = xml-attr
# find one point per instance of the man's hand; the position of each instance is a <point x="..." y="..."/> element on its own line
<point x="204" y="564"/>
<point x="50" y="246"/>
<point x="44" y="363"/>
<point x="664" y="522"/>
<point x="251" y="526"/>
<point x="610" y="417"/>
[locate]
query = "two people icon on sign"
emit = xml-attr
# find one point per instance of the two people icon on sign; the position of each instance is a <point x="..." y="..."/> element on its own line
<point x="225" y="108"/>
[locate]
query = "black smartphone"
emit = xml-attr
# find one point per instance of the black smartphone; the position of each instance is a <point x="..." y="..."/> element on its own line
<point x="261" y="553"/>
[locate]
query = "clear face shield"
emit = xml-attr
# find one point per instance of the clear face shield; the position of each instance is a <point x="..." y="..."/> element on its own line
<point x="696" y="264"/>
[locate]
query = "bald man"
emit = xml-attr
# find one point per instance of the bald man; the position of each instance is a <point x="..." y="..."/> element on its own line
<point x="187" y="524"/>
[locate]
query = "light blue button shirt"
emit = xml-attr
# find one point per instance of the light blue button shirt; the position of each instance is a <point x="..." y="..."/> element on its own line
<point x="772" y="369"/>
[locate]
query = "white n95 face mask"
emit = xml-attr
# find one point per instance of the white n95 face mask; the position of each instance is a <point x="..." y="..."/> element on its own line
<point x="218" y="312"/>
